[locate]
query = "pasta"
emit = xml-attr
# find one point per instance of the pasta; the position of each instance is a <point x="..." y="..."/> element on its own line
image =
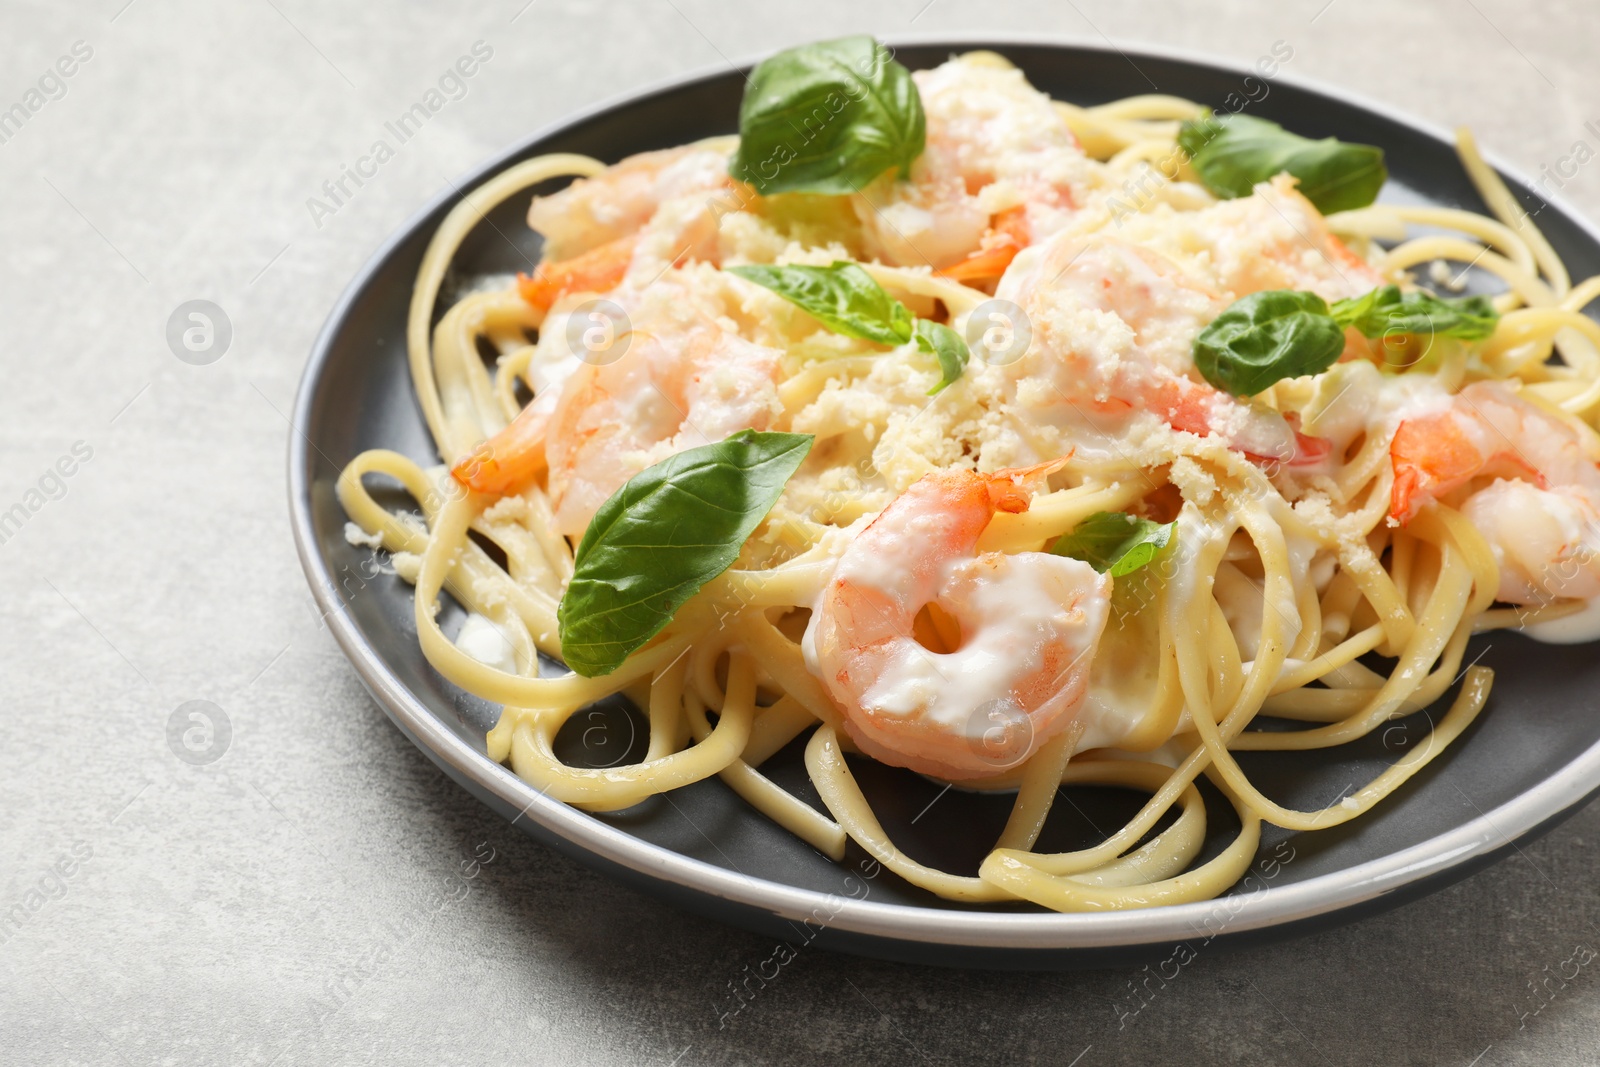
<point x="1275" y="543"/>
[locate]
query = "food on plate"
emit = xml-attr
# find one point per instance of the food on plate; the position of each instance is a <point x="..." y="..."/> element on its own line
<point x="1014" y="443"/>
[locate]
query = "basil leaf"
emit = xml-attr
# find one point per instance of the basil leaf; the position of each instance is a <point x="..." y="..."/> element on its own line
<point x="1386" y="311"/>
<point x="948" y="346"/>
<point x="671" y="529"/>
<point x="1267" y="336"/>
<point x="827" y="118"/>
<point x="1115" y="543"/>
<point x="843" y="296"/>
<point x="1233" y="153"/>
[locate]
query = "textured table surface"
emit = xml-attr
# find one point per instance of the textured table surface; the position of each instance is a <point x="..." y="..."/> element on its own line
<point x="317" y="892"/>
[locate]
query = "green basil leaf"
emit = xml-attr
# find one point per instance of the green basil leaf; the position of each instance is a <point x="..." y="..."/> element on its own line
<point x="843" y="296"/>
<point x="947" y="346"/>
<point x="671" y="529"/>
<point x="1266" y="336"/>
<point x="1386" y="311"/>
<point x="828" y="118"/>
<point x="1115" y="543"/>
<point x="1233" y="153"/>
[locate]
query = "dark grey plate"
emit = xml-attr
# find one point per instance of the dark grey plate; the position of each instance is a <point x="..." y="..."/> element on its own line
<point x="1532" y="758"/>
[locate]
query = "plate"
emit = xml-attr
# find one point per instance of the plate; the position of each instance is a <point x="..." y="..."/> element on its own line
<point x="1532" y="758"/>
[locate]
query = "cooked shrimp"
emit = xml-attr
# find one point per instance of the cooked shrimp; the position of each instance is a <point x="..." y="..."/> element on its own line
<point x="511" y="458"/>
<point x="515" y="456"/>
<point x="1020" y="632"/>
<point x="648" y="212"/>
<point x="1541" y="514"/>
<point x="684" y="379"/>
<point x="1008" y="235"/>
<point x="1273" y="239"/>
<point x="598" y="270"/>
<point x="1547" y="541"/>
<point x="618" y="201"/>
<point x="1114" y="327"/>
<point x="1277" y="239"/>
<point x="998" y="174"/>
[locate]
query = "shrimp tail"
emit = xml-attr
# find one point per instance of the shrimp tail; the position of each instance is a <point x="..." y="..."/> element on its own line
<point x="598" y="270"/>
<point x="1437" y="453"/>
<point x="1430" y="456"/>
<point x="986" y="264"/>
<point x="1006" y="237"/>
<point x="1308" y="450"/>
<point x="510" y="459"/>
<point x="1188" y="408"/>
<point x="1011" y="491"/>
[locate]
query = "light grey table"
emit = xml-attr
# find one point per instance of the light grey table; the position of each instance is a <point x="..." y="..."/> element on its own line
<point x="316" y="892"/>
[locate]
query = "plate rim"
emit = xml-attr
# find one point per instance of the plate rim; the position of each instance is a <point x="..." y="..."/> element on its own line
<point x="1479" y="839"/>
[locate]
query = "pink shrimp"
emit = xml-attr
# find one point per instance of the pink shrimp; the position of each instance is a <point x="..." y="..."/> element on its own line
<point x="1277" y="239"/>
<point x="1541" y="511"/>
<point x="650" y="212"/>
<point x="633" y="220"/>
<point x="621" y="199"/>
<point x="1017" y="632"/>
<point x="509" y="460"/>
<point x="997" y="174"/>
<point x="1008" y="235"/>
<point x="598" y="270"/>
<point x="1114" y="324"/>
<point x="682" y="379"/>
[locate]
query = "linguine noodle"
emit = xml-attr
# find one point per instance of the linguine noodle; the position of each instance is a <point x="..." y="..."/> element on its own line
<point x="1272" y="600"/>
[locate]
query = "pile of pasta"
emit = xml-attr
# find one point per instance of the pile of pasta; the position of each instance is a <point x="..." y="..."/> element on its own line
<point x="724" y="685"/>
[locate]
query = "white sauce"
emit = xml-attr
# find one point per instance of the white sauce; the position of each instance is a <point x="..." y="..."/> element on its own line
<point x="1356" y="397"/>
<point x="1107" y="716"/>
<point x="1195" y="531"/>
<point x="1575" y="629"/>
<point x="1014" y="611"/>
<point x="1009" y="606"/>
